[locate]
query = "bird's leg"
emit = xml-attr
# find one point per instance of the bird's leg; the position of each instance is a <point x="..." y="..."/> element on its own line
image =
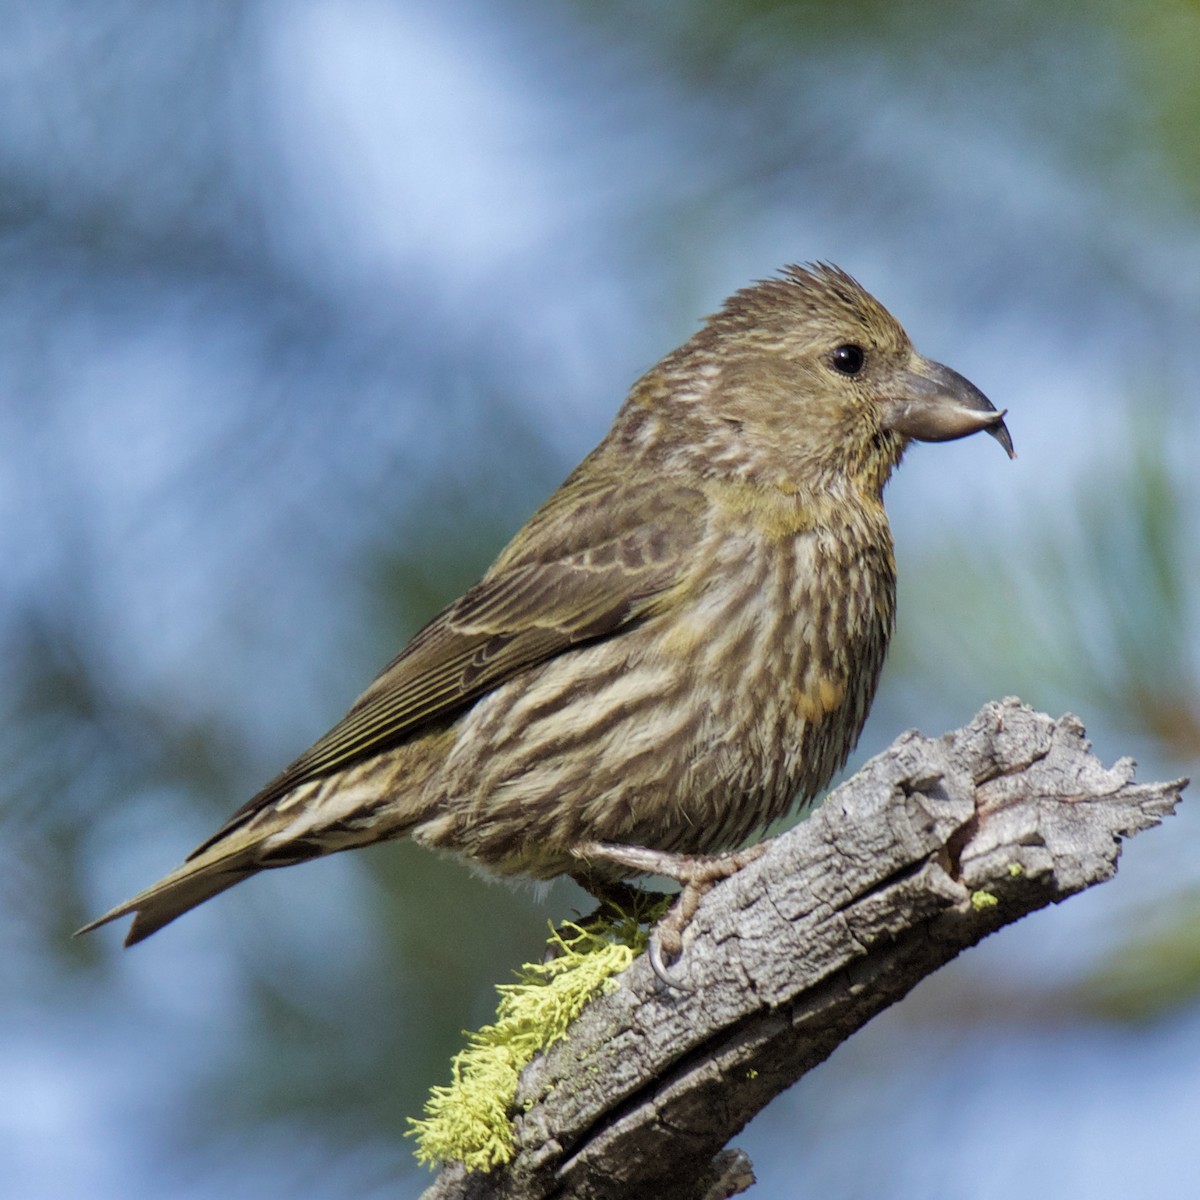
<point x="695" y="874"/>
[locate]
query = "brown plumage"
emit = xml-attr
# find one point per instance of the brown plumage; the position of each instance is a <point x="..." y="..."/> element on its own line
<point x="682" y="641"/>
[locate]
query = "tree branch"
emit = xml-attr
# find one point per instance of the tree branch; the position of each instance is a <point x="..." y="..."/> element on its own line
<point x="934" y="844"/>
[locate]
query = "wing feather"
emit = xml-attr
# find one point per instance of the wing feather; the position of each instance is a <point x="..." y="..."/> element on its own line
<point x="570" y="577"/>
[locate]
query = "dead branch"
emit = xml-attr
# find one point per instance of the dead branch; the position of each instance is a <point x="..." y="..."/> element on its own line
<point x="933" y="845"/>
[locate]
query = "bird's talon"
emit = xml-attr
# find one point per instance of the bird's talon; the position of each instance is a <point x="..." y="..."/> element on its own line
<point x="660" y="968"/>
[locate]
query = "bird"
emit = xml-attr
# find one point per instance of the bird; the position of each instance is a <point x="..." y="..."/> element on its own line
<point x="679" y="647"/>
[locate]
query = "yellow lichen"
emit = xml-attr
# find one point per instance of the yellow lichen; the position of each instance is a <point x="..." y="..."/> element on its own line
<point x="981" y="900"/>
<point x="470" y="1119"/>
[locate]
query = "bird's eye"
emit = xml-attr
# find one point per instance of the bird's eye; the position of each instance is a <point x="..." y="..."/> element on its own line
<point x="849" y="359"/>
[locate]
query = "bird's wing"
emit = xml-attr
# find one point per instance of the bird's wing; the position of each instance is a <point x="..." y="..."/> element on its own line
<point x="588" y="563"/>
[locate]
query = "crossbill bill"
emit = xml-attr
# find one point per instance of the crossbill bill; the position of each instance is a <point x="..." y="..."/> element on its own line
<point x="680" y="645"/>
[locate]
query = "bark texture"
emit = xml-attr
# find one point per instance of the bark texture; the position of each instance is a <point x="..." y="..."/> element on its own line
<point x="933" y="845"/>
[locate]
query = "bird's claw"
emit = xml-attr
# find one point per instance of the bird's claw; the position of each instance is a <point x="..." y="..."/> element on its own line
<point x="696" y="873"/>
<point x="659" y="965"/>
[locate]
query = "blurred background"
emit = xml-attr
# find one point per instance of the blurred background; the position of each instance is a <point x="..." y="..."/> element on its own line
<point x="304" y="306"/>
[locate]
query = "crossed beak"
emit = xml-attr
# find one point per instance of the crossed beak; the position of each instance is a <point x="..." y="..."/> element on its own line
<point x="932" y="403"/>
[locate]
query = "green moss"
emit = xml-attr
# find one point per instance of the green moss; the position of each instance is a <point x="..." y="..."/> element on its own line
<point x="469" y="1120"/>
<point x="1016" y="870"/>
<point x="981" y="900"/>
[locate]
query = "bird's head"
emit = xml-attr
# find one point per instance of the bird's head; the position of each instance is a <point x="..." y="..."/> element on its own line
<point x="814" y="380"/>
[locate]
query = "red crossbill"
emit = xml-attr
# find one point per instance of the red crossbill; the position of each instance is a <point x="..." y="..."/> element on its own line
<point x="681" y="643"/>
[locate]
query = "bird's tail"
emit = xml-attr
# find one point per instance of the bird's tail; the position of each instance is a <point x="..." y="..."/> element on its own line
<point x="218" y="867"/>
<point x="318" y="817"/>
<point x="250" y="842"/>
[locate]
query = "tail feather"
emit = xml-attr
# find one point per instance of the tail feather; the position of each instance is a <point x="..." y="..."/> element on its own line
<point x="287" y="832"/>
<point x="206" y="873"/>
<point x="175" y="894"/>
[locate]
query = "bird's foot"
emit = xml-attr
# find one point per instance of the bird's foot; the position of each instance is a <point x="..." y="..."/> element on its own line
<point x="695" y="873"/>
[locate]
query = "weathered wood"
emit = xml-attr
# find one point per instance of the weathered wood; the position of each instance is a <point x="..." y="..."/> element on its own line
<point x="934" y="844"/>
